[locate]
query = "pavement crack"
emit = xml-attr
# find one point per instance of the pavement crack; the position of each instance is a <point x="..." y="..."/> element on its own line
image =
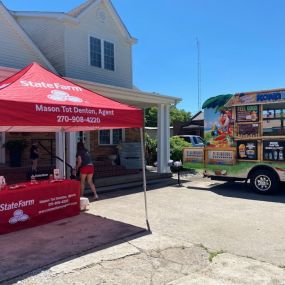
<point x="212" y="253"/>
<point x="88" y="266"/>
<point x="136" y="247"/>
<point x="100" y="263"/>
<point x="122" y="257"/>
<point x="262" y="261"/>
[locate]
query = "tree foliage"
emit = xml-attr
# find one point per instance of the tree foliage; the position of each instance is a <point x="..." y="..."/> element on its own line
<point x="179" y="115"/>
<point x="150" y="117"/>
<point x="176" y="115"/>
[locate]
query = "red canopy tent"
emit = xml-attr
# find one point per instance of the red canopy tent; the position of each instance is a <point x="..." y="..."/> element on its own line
<point x="37" y="100"/>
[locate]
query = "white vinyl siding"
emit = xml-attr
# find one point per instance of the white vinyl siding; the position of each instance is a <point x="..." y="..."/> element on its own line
<point x="77" y="43"/>
<point x="48" y="35"/>
<point x="67" y="46"/>
<point x="14" y="51"/>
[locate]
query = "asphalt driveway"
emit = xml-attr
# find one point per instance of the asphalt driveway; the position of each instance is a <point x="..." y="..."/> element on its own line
<point x="220" y="216"/>
<point x="203" y="233"/>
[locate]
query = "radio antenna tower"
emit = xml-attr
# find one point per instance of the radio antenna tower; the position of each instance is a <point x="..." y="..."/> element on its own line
<point x="198" y="74"/>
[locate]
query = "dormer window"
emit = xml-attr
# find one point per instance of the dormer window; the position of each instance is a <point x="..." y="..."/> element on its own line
<point x="102" y="51"/>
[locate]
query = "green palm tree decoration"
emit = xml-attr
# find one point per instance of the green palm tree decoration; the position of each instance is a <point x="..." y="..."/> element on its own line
<point x="217" y="102"/>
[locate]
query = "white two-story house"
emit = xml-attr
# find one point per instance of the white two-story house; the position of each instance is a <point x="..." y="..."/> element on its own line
<point x="90" y="46"/>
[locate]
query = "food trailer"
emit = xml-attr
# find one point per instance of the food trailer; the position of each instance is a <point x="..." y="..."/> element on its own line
<point x="244" y="139"/>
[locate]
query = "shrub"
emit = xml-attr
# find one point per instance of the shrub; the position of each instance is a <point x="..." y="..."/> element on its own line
<point x="176" y="148"/>
<point x="151" y="149"/>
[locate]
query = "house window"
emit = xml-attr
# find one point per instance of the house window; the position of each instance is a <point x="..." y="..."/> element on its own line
<point x="110" y="137"/>
<point x="102" y="54"/>
<point x="109" y="56"/>
<point x="95" y="52"/>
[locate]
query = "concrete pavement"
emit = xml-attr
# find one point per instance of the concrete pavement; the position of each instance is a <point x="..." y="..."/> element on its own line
<point x="202" y="233"/>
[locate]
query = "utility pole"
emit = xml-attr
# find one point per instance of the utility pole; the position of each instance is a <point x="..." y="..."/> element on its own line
<point x="198" y="74"/>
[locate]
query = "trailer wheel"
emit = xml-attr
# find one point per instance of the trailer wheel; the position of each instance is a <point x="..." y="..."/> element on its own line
<point x="264" y="181"/>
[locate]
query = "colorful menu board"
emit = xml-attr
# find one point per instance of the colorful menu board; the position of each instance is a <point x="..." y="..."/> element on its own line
<point x="248" y="113"/>
<point x="193" y="154"/>
<point x="248" y="130"/>
<point x="222" y="157"/>
<point x="247" y="150"/>
<point x="274" y="150"/>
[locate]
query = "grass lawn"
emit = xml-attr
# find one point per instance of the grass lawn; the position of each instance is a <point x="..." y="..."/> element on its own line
<point x="240" y="167"/>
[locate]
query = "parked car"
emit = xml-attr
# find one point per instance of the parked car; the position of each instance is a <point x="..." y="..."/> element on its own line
<point x="196" y="141"/>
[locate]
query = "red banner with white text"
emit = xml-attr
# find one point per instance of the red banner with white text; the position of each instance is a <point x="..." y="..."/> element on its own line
<point x="36" y="97"/>
<point x="37" y="204"/>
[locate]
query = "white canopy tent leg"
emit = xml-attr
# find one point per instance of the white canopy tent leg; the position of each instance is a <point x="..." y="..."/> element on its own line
<point x="64" y="156"/>
<point x="59" y="152"/>
<point x="60" y="148"/>
<point x="144" y="178"/>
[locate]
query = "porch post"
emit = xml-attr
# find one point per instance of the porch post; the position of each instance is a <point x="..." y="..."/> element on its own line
<point x="59" y="152"/>
<point x="167" y="138"/>
<point x="163" y="135"/>
<point x="70" y="150"/>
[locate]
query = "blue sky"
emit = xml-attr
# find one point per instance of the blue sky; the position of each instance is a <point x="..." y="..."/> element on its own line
<point x="242" y="44"/>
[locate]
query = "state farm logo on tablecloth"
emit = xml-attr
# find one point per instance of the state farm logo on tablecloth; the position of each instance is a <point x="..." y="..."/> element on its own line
<point x="18" y="216"/>
<point x="62" y="96"/>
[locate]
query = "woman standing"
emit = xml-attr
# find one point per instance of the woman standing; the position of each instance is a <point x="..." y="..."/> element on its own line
<point x="34" y="156"/>
<point x="85" y="165"/>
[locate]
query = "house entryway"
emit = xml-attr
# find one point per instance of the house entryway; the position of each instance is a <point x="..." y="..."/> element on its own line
<point x="103" y="169"/>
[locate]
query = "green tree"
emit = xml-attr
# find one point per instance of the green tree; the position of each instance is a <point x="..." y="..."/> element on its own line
<point x="176" y="115"/>
<point x="179" y="115"/>
<point x="150" y="117"/>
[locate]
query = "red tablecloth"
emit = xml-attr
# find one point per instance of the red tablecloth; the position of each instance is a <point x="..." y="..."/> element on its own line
<point x="36" y="204"/>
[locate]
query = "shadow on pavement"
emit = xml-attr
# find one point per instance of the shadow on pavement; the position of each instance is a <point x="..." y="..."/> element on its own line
<point x="25" y="251"/>
<point x="241" y="190"/>
<point x="152" y="185"/>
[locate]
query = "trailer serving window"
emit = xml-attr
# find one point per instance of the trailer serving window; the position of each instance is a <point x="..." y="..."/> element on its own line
<point x="273" y="120"/>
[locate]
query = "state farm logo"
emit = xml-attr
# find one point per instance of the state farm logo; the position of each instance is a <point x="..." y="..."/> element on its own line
<point x="63" y="96"/>
<point x="18" y="216"/>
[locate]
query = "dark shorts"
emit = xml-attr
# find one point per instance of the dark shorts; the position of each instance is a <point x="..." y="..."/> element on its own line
<point x="88" y="169"/>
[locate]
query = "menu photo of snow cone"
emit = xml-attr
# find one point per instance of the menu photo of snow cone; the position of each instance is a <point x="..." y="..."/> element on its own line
<point x="247" y="150"/>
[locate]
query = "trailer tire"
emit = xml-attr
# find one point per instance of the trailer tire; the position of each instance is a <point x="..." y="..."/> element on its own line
<point x="264" y="181"/>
